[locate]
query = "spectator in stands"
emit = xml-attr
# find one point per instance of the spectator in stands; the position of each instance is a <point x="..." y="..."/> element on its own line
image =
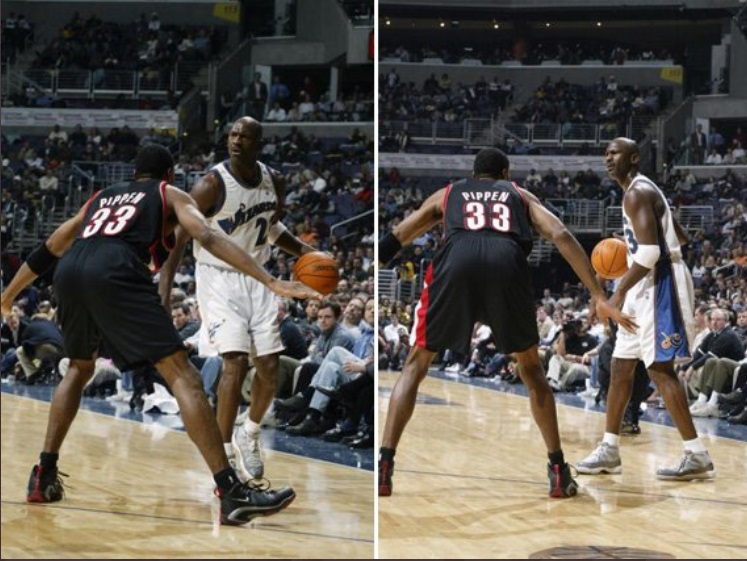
<point x="544" y="322"/>
<point x="293" y="113"/>
<point x="568" y="367"/>
<point x="183" y="322"/>
<point x="392" y="335"/>
<point x="308" y="324"/>
<point x="738" y="152"/>
<point x="717" y="378"/>
<point x="256" y="96"/>
<point x="338" y="366"/>
<point x="352" y="316"/>
<point x="482" y="348"/>
<point x="721" y="342"/>
<point x="741" y="328"/>
<point x="277" y="113"/>
<point x="716" y="140"/>
<point x="41" y="347"/>
<point x="306" y="109"/>
<point x="57" y="134"/>
<point x="331" y="335"/>
<point x="49" y="189"/>
<point x="714" y="158"/>
<point x="78" y="137"/>
<point x="296" y="349"/>
<point x="279" y="93"/>
<point x="698" y="145"/>
<point x="357" y="396"/>
<point x="11" y="335"/>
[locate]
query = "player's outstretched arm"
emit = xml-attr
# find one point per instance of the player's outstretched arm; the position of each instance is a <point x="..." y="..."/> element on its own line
<point x="281" y="237"/>
<point x="42" y="259"/>
<point x="171" y="265"/>
<point x="418" y="223"/>
<point x="205" y="194"/>
<point x="218" y="243"/>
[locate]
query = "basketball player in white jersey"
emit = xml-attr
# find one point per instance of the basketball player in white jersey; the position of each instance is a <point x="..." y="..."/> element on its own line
<point x="243" y="197"/>
<point x="657" y="290"/>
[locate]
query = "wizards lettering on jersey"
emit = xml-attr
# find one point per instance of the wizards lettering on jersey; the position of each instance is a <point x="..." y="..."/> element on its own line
<point x="244" y="215"/>
<point x="498" y="196"/>
<point x="122" y="199"/>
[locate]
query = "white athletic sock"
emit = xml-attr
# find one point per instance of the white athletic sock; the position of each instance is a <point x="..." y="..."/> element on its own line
<point x="695" y="445"/>
<point x="228" y="447"/>
<point x="611" y="439"/>
<point x="714" y="399"/>
<point x="702" y="398"/>
<point x="251" y="428"/>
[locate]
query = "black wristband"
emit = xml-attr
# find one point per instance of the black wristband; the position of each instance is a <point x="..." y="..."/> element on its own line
<point x="41" y="260"/>
<point x="389" y="246"/>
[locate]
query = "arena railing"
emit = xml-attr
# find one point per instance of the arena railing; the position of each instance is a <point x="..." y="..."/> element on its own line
<point x="692" y="218"/>
<point x="103" y="82"/>
<point x="487" y="132"/>
<point x="344" y="224"/>
<point x="386" y="283"/>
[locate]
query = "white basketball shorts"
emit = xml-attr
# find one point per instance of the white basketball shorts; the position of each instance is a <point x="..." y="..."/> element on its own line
<point x="662" y="303"/>
<point x="239" y="314"/>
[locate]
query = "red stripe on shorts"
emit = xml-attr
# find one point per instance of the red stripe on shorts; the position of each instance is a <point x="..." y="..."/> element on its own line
<point x="423" y="309"/>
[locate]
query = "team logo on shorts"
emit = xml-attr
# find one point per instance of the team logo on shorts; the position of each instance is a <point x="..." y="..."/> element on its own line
<point x="213" y="329"/>
<point x="669" y="341"/>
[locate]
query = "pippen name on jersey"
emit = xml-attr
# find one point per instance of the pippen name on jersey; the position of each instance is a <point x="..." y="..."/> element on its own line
<point x="122" y="199"/>
<point x="498" y="196"/>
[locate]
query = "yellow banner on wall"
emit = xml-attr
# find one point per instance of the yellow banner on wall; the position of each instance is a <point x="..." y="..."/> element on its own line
<point x="672" y="74"/>
<point x="230" y="11"/>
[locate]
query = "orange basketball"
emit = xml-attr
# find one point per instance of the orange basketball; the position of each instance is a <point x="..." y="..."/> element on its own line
<point x="317" y="270"/>
<point x="609" y="258"/>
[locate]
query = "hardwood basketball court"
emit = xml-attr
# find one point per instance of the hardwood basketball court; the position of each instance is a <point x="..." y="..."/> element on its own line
<point x="470" y="482"/>
<point x="140" y="490"/>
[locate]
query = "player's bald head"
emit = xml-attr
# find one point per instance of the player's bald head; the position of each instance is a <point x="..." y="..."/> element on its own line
<point x="250" y="125"/>
<point x="627" y="145"/>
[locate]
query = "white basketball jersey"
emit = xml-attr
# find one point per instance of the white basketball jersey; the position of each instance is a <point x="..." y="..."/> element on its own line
<point x="245" y="215"/>
<point x="671" y="245"/>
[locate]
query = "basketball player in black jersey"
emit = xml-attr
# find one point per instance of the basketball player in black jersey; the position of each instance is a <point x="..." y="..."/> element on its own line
<point x="106" y="297"/>
<point x="480" y="273"/>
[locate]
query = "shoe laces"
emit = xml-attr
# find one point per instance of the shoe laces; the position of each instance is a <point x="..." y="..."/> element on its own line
<point x="57" y="480"/>
<point x="598" y="452"/>
<point x="680" y="466"/>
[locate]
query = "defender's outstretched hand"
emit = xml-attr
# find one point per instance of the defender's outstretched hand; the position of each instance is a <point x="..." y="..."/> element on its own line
<point x="293" y="289"/>
<point x="606" y="311"/>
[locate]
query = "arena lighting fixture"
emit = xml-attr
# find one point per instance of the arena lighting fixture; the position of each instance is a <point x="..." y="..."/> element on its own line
<point x="442" y="24"/>
<point x="495" y="25"/>
<point x="388" y="21"/>
<point x="599" y="24"/>
<point x="547" y="24"/>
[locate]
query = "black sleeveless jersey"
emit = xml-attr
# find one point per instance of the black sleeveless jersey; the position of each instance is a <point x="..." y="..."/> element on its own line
<point x="133" y="212"/>
<point x="488" y="207"/>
